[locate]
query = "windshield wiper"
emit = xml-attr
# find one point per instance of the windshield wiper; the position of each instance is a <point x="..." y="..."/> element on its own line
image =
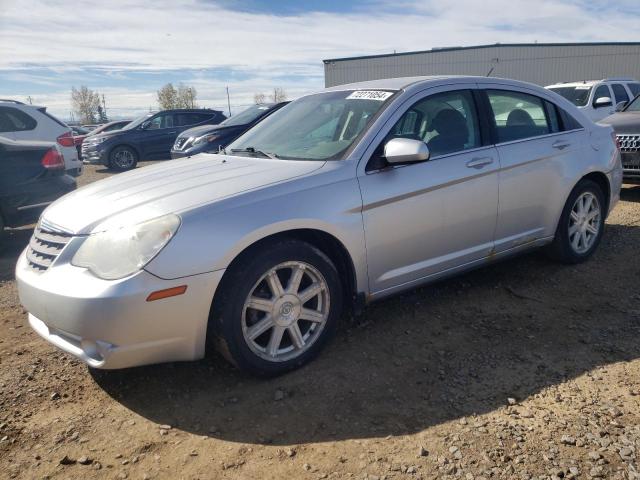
<point x="254" y="151"/>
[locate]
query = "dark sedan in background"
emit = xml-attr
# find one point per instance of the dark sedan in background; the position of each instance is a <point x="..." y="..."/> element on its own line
<point x="207" y="138"/>
<point x="32" y="176"/>
<point x="626" y="125"/>
<point x="149" y="137"/>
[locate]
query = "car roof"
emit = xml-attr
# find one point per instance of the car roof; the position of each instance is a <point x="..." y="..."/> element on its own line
<point x="591" y="83"/>
<point x="410" y="83"/>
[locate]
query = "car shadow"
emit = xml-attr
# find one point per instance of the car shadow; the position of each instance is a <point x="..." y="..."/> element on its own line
<point x="12" y="244"/>
<point x="456" y="348"/>
<point x="630" y="193"/>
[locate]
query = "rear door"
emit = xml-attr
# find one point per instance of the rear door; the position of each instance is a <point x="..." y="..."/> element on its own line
<point x="535" y="147"/>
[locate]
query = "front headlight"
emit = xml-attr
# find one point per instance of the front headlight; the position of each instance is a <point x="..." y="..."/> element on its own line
<point x="205" y="138"/>
<point x="99" y="140"/>
<point x="115" y="254"/>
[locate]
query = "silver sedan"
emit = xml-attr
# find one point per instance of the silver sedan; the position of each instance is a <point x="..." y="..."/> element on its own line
<point x="340" y="198"/>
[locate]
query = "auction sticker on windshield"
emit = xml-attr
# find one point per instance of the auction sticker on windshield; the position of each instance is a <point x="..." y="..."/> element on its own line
<point x="370" y="95"/>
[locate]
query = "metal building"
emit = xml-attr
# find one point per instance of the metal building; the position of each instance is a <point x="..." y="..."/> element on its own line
<point x="540" y="63"/>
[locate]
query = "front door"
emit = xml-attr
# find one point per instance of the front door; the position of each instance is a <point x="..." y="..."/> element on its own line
<point x="424" y="218"/>
<point x="158" y="136"/>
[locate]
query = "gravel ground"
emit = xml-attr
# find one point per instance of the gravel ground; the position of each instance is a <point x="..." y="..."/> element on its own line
<point x="523" y="370"/>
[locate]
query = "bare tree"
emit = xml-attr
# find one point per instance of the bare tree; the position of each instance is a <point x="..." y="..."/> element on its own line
<point x="259" y="98"/>
<point x="279" y="95"/>
<point x="187" y="96"/>
<point x="170" y="97"/>
<point x="85" y="103"/>
<point x="167" y="97"/>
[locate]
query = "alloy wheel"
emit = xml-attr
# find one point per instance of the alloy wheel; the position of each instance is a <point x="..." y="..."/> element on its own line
<point x="584" y="222"/>
<point x="285" y="311"/>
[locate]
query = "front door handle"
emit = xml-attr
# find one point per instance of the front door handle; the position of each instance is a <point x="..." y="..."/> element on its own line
<point x="561" y="144"/>
<point x="479" y="162"/>
<point x="171" y="133"/>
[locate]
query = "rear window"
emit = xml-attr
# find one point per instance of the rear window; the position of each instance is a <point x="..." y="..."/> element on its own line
<point x="578" y="95"/>
<point x="14" y="120"/>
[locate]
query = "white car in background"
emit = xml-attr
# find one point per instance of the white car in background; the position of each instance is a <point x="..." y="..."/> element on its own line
<point x="598" y="99"/>
<point x="19" y="121"/>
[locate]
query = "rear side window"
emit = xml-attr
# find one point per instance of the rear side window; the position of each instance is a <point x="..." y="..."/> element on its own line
<point x="601" y="91"/>
<point x="14" y="120"/>
<point x="634" y="88"/>
<point x="184" y="119"/>
<point x="620" y="93"/>
<point x="518" y="115"/>
<point x="567" y="120"/>
<point x="55" y="119"/>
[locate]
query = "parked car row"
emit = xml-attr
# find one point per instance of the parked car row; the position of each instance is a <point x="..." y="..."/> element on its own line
<point x="337" y="199"/>
<point x="599" y="98"/>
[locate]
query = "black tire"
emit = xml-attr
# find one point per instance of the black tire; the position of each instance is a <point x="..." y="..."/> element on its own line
<point x="117" y="158"/>
<point x="561" y="248"/>
<point x="225" y="330"/>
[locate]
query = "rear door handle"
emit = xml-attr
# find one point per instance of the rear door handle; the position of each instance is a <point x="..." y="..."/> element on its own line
<point x="560" y="144"/>
<point x="479" y="162"/>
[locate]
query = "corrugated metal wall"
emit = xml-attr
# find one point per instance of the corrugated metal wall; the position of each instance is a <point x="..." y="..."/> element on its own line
<point x="540" y="64"/>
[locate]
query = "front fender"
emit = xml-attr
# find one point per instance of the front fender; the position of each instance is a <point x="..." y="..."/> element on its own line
<point x="210" y="237"/>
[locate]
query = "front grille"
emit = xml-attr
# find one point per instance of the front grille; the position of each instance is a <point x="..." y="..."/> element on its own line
<point x="629" y="143"/>
<point x="44" y="247"/>
<point x="180" y="143"/>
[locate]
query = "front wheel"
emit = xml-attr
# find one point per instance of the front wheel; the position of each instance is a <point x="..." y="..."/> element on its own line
<point x="123" y="158"/>
<point x="581" y="224"/>
<point x="277" y="308"/>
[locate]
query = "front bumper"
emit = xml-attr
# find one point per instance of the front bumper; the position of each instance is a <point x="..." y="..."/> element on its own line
<point x="94" y="154"/>
<point x="109" y="324"/>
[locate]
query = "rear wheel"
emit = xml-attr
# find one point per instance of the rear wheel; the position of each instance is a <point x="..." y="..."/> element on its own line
<point x="123" y="158"/>
<point x="581" y="224"/>
<point x="277" y="309"/>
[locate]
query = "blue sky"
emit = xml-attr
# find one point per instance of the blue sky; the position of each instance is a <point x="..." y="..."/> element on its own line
<point x="127" y="49"/>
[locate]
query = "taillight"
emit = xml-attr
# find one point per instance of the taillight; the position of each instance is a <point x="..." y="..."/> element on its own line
<point x="52" y="160"/>
<point x="616" y="140"/>
<point x="66" y="139"/>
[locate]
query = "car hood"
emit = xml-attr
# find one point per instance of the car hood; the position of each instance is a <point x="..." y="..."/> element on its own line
<point x="171" y="187"/>
<point x="204" y="129"/>
<point x="624" y="122"/>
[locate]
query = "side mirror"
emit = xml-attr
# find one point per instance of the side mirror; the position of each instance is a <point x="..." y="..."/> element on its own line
<point x="602" y="102"/>
<point x="620" y="106"/>
<point x="406" y="150"/>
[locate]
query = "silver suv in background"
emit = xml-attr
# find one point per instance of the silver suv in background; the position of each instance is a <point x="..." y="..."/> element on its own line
<point x="338" y="199"/>
<point x="19" y="121"/>
<point x="598" y="99"/>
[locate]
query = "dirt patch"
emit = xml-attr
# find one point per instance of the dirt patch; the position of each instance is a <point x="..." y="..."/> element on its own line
<point x="523" y="370"/>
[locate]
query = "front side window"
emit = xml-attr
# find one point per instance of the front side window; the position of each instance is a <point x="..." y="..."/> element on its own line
<point x="316" y="127"/>
<point x="620" y="93"/>
<point x="634" y="88"/>
<point x="578" y="95"/>
<point x="517" y="115"/>
<point x="601" y="92"/>
<point x="13" y="120"/>
<point x="161" y="121"/>
<point x="446" y="122"/>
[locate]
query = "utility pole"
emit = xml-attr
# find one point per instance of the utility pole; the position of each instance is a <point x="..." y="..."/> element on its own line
<point x="228" y="101"/>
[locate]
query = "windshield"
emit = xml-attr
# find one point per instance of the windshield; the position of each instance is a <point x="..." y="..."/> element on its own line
<point x="247" y="116"/>
<point x="316" y="127"/>
<point x="137" y="121"/>
<point x="579" y="95"/>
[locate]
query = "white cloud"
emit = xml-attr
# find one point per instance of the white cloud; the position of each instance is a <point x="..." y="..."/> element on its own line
<point x="168" y="35"/>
